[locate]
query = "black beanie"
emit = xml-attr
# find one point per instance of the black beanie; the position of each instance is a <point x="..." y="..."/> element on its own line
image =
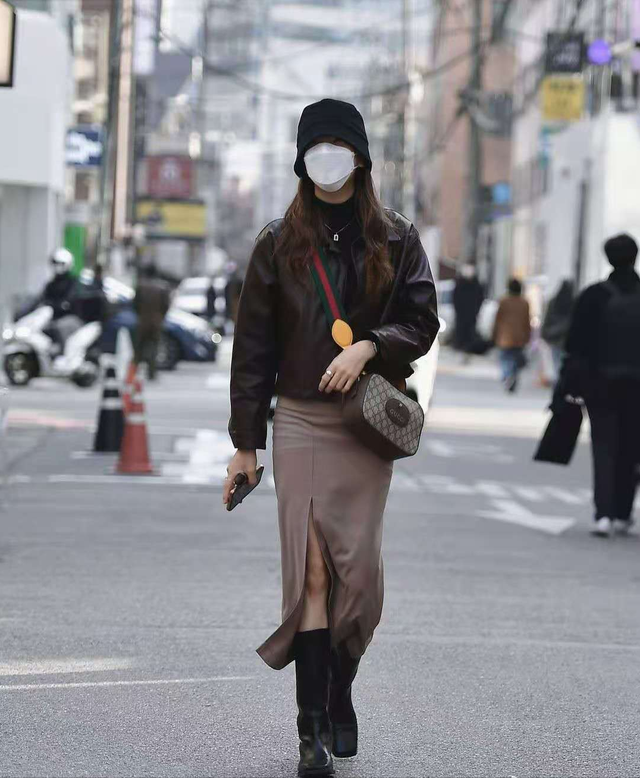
<point x="621" y="251"/>
<point x="335" y="119"/>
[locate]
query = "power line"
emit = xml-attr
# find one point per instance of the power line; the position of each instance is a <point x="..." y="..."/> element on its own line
<point x="259" y="89"/>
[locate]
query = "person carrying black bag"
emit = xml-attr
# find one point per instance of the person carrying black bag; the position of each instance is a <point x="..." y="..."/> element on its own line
<point x="602" y="366"/>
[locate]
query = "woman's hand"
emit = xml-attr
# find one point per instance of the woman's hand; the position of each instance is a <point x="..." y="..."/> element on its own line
<point x="242" y="462"/>
<point x="346" y="367"/>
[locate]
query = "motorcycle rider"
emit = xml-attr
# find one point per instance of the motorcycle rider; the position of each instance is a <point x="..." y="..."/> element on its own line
<point x="60" y="291"/>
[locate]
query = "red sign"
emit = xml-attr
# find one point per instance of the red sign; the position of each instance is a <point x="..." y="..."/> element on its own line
<point x="169" y="176"/>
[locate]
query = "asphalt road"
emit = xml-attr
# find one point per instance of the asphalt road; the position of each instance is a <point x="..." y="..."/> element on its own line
<point x="130" y="608"/>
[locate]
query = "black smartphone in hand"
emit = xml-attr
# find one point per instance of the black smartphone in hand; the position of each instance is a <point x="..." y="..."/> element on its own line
<point x="243" y="488"/>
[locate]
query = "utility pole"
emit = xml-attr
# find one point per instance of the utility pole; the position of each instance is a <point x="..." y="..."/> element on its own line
<point x="124" y="124"/>
<point x="208" y="148"/>
<point x="474" y="181"/>
<point x="408" y="123"/>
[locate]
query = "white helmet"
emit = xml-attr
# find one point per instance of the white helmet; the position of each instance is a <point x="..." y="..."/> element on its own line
<point x="62" y="261"/>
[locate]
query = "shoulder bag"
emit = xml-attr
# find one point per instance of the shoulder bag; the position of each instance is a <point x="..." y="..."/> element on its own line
<point x="381" y="416"/>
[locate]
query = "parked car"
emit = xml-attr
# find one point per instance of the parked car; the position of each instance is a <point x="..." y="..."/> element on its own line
<point x="184" y="336"/>
<point x="191" y="296"/>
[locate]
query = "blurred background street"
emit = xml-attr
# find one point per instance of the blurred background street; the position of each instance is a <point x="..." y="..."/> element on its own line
<point x="143" y="146"/>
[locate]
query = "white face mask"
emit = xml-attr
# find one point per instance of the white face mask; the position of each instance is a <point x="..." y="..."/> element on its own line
<point x="329" y="166"/>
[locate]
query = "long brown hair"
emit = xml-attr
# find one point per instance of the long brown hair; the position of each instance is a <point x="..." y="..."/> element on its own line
<point x="304" y="231"/>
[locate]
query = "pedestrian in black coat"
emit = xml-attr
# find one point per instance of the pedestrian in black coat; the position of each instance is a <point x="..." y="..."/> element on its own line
<point x="602" y="366"/>
<point x="557" y="320"/>
<point x="468" y="297"/>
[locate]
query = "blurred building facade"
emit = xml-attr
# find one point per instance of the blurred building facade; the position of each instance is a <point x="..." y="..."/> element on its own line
<point x="575" y="182"/>
<point x="255" y="65"/>
<point x="32" y="144"/>
<point x="87" y="130"/>
<point x="451" y="107"/>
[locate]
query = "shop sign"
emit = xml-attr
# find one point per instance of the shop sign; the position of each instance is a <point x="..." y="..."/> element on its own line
<point x="169" y="176"/>
<point x="563" y="98"/>
<point x="84" y="147"/>
<point x="565" y="52"/>
<point x="172" y="219"/>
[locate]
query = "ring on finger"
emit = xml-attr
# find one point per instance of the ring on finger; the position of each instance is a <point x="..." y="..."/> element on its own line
<point x="328" y="372"/>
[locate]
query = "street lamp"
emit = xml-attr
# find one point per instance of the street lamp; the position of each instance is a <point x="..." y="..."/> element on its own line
<point x="7" y="42"/>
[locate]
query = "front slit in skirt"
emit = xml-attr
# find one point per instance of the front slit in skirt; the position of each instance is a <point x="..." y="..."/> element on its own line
<point x="323" y="472"/>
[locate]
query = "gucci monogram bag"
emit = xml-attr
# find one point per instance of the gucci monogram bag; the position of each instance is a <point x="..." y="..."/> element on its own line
<point x="381" y="416"/>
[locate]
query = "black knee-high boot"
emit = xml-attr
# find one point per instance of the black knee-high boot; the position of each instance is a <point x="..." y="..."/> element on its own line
<point x="344" y="722"/>
<point x="312" y="654"/>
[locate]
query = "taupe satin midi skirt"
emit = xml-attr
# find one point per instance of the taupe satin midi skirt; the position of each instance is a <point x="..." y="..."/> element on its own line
<point x="322" y="473"/>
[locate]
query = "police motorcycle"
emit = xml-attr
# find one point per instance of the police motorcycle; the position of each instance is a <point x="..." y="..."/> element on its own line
<point x="49" y="340"/>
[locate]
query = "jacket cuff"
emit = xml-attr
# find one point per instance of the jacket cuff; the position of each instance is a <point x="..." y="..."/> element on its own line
<point x="248" y="440"/>
<point x="372" y="335"/>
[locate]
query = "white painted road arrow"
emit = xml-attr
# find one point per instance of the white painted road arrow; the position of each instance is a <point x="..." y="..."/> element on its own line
<point x="514" y="513"/>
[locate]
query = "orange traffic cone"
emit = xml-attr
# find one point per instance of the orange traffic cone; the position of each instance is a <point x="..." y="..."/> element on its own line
<point x="127" y="389"/>
<point x="134" y="452"/>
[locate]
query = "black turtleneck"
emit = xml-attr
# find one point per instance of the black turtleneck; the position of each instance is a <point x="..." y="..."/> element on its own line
<point x="340" y="219"/>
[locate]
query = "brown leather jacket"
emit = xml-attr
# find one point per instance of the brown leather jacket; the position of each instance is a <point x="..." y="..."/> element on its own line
<point x="282" y="340"/>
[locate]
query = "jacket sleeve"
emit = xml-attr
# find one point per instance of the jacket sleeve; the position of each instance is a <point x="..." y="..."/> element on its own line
<point x="254" y="358"/>
<point x="581" y="344"/>
<point x="414" y="317"/>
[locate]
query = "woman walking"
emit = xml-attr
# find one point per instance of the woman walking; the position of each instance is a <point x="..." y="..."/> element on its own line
<point x="331" y="488"/>
<point x="511" y="333"/>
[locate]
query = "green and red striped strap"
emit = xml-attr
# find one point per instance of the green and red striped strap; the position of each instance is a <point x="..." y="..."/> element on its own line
<point x="326" y="286"/>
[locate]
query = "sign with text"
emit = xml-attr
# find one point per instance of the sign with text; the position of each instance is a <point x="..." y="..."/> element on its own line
<point x="85" y="146"/>
<point x="169" y="176"/>
<point x="172" y="219"/>
<point x="563" y="98"/>
<point x="7" y="43"/>
<point x="565" y="52"/>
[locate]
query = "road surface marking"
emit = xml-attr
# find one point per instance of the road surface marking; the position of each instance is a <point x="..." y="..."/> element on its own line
<point x="514" y="513"/>
<point x="459" y="449"/>
<point x="60" y="666"/>
<point x="209" y="454"/>
<point x="571" y="498"/>
<point x="443" y="484"/>
<point x="530" y="493"/>
<point x="203" y="470"/>
<point x="491" y="489"/>
<point x="97" y="684"/>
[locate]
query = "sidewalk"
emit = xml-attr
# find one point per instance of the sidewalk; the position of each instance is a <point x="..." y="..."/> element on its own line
<point x="469" y="398"/>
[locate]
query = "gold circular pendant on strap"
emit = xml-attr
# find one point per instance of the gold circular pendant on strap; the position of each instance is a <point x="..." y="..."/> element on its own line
<point x="342" y="333"/>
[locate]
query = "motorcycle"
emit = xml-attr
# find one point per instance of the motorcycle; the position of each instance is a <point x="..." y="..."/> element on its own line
<point x="30" y="351"/>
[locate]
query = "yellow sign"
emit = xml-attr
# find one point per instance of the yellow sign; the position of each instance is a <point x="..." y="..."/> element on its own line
<point x="176" y="219"/>
<point x="563" y="98"/>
